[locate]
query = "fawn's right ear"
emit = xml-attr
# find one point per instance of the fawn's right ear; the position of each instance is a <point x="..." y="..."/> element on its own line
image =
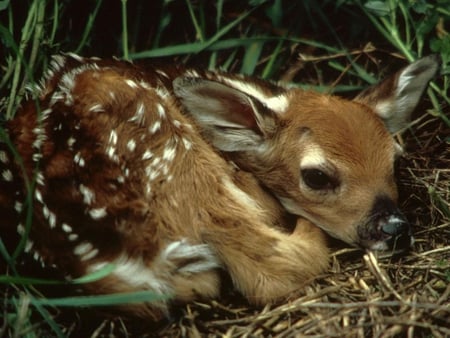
<point x="395" y="98"/>
<point x="230" y="118"/>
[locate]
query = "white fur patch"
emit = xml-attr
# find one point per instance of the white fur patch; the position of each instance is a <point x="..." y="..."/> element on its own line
<point x="314" y="156"/>
<point x="239" y="195"/>
<point x="245" y="87"/>
<point x="98" y="213"/>
<point x="82" y="248"/>
<point x="156" y="275"/>
<point x="278" y="104"/>
<point x="131" y="145"/>
<point x="88" y="194"/>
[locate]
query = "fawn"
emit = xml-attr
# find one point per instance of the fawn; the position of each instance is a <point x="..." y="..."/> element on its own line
<point x="174" y="174"/>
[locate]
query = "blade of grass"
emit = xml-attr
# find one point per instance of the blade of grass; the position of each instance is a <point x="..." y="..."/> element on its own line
<point x="251" y="57"/>
<point x="101" y="300"/>
<point x="196" y="47"/>
<point x="27" y="31"/>
<point x="92" y="277"/>
<point x="268" y="69"/>
<point x="199" y="33"/>
<point x="49" y="320"/>
<point x="125" y="52"/>
<point x="90" y="25"/>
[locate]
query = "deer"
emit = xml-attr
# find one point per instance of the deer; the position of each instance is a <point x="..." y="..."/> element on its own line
<point x="175" y="175"/>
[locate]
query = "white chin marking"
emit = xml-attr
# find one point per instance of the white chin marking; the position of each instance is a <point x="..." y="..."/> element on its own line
<point x="379" y="246"/>
<point x="290" y="206"/>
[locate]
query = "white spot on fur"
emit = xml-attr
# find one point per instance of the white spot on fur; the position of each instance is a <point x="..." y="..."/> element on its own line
<point x="139" y="115"/>
<point x="79" y="160"/>
<point x="45" y="211"/>
<point x="191" y="73"/>
<point x="145" y="85"/>
<point x="97" y="213"/>
<point x="147" y="155"/>
<point x="155" y="161"/>
<point x="169" y="154"/>
<point x="76" y="57"/>
<point x="187" y="143"/>
<point x="56" y="97"/>
<point x="38" y="196"/>
<point x="154" y="127"/>
<point x="160" y="72"/>
<point x="66" y="228"/>
<point x="7" y="175"/>
<point x="162" y="93"/>
<point x="131" y="145"/>
<point x="151" y="173"/>
<point x="161" y="111"/>
<point x="28" y="246"/>
<point x="113" y="137"/>
<point x="88" y="194"/>
<point x="72" y="237"/>
<point x="36" y="157"/>
<point x="36" y="256"/>
<point x="52" y="220"/>
<point x="40" y="178"/>
<point x="18" y="206"/>
<point x="111" y="152"/>
<point x="70" y="142"/>
<point x="20" y="229"/>
<point x="96" y="108"/>
<point x="131" y="83"/>
<point x="3" y="157"/>
<point x="82" y="248"/>
<point x="177" y="124"/>
<point x="91" y="254"/>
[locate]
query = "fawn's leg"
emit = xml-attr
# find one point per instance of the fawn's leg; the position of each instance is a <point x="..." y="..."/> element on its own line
<point x="265" y="264"/>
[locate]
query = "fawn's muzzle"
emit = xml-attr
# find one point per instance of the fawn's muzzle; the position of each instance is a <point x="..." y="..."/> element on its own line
<point x="386" y="227"/>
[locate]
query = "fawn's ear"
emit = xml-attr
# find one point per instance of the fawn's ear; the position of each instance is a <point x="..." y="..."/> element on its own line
<point x="231" y="119"/>
<point x="395" y="98"/>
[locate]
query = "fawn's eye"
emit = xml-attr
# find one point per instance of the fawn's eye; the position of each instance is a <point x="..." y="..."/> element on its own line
<point x="317" y="180"/>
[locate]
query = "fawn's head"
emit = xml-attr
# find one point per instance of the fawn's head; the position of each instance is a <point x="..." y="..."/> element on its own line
<point x="327" y="159"/>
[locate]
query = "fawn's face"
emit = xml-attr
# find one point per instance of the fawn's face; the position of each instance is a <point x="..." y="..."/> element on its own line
<point x="326" y="159"/>
<point x="332" y="162"/>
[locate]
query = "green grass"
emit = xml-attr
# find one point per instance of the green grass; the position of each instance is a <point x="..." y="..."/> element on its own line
<point x="314" y="44"/>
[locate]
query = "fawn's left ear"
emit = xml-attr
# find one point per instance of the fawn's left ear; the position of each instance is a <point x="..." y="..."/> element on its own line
<point x="230" y="118"/>
<point x="395" y="98"/>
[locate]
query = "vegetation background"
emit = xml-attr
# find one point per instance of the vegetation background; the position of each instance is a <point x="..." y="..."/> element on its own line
<point x="332" y="46"/>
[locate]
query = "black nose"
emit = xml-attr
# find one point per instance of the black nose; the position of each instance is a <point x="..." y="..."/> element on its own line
<point x="394" y="224"/>
<point x="386" y="228"/>
<point x="398" y="230"/>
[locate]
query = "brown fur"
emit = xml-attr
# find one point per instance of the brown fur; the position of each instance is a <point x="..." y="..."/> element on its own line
<point x="127" y="172"/>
